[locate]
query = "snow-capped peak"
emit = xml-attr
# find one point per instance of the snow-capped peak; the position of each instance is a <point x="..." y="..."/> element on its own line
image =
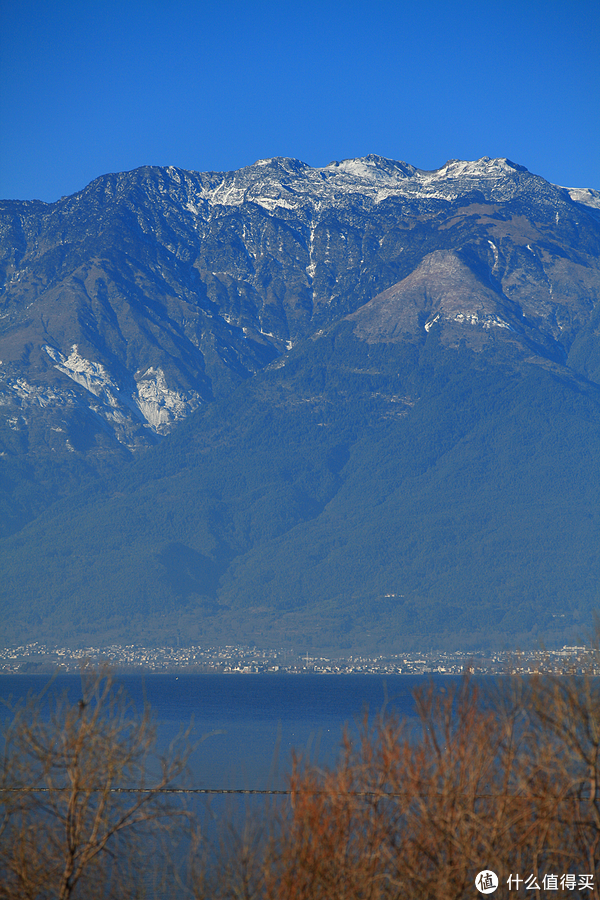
<point x="281" y="182"/>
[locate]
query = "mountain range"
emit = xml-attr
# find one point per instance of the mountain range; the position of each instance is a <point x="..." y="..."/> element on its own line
<point x="350" y="408"/>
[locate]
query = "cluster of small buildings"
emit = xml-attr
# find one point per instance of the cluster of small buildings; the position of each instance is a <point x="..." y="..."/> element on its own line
<point x="36" y="658"/>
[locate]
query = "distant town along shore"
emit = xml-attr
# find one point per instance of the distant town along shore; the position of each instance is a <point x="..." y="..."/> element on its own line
<point x="36" y="658"/>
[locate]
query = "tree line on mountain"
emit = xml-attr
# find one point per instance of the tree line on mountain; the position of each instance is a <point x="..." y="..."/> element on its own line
<point x="502" y="777"/>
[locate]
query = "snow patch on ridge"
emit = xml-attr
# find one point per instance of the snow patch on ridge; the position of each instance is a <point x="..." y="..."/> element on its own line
<point x="486" y="321"/>
<point x="160" y="406"/>
<point x="587" y="196"/>
<point x="472" y="318"/>
<point x="151" y="400"/>
<point x="94" y="377"/>
<point x="28" y="395"/>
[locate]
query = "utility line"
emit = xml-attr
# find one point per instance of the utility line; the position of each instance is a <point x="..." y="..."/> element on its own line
<point x="34" y="790"/>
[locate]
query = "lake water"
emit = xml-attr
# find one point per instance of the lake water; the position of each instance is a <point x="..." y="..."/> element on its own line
<point x="250" y="723"/>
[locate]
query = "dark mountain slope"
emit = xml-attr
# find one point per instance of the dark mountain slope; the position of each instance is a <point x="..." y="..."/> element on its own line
<point x="455" y="500"/>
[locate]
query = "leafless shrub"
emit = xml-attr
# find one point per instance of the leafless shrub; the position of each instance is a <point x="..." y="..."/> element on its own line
<point x="505" y="779"/>
<point x="70" y="827"/>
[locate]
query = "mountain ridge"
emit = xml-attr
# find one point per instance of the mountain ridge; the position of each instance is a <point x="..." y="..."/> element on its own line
<point x="291" y="343"/>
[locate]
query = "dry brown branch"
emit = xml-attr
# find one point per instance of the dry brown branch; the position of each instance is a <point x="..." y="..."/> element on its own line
<point x="78" y="836"/>
<point x="506" y="780"/>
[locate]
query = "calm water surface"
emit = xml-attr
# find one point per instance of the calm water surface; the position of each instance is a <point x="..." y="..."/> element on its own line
<point x="249" y="724"/>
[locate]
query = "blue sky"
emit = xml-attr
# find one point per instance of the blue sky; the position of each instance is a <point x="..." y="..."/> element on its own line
<point x="88" y="88"/>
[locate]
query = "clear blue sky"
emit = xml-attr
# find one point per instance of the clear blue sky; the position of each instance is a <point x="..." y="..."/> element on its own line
<point x="93" y="87"/>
